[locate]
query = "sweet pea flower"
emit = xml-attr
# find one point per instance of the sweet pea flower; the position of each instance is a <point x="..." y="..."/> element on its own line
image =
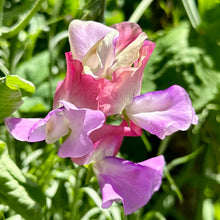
<point x="161" y="112"/>
<point x="67" y="120"/>
<point x="115" y="56"/>
<point x="131" y="183"/>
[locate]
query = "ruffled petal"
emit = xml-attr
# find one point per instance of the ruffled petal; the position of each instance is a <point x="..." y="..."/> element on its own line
<point x="107" y="141"/>
<point x="101" y="56"/>
<point x="128" y="32"/>
<point x="83" y="35"/>
<point x="81" y="123"/>
<point x="125" y="84"/>
<point x="131" y="183"/>
<point x="72" y="88"/>
<point x="130" y="54"/>
<point x="163" y="112"/>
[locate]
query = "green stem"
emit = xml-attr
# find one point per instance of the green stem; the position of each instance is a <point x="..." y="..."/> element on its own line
<point x="146" y="142"/>
<point x="184" y="159"/>
<point x="77" y="192"/>
<point x="2" y="3"/>
<point x="102" y="18"/>
<point x="173" y="185"/>
<point x="163" y="145"/>
<point x="192" y="12"/>
<point x="139" y="11"/>
<point x="10" y="32"/>
<point x="56" y="12"/>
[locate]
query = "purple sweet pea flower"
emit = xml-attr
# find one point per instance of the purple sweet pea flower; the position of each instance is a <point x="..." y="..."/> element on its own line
<point x="67" y="120"/>
<point x="162" y="112"/>
<point x="131" y="183"/>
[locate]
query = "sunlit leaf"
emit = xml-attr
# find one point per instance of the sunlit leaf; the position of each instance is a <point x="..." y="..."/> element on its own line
<point x="15" y="82"/>
<point x="10" y="100"/>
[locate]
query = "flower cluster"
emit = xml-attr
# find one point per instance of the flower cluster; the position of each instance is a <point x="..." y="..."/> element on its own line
<point x="103" y="83"/>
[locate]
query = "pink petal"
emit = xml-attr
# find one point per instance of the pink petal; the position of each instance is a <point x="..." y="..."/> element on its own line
<point x="163" y="112"/>
<point x="81" y="123"/>
<point x="107" y="141"/>
<point x="82" y="90"/>
<point x="132" y="183"/>
<point x="83" y="35"/>
<point x="128" y="32"/>
<point x="125" y="84"/>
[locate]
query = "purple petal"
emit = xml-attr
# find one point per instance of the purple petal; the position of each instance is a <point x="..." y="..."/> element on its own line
<point x="81" y="123"/>
<point x="29" y="129"/>
<point x="57" y="126"/>
<point x="21" y="129"/>
<point x="163" y="112"/>
<point x="83" y="35"/>
<point x="107" y="141"/>
<point x="132" y="183"/>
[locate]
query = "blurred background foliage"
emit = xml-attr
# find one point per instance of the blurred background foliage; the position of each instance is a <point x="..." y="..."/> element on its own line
<point x="35" y="183"/>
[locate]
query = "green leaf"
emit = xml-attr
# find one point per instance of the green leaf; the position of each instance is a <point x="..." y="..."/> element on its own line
<point x="16" y="82"/>
<point x="20" y="193"/>
<point x="35" y="70"/>
<point x="176" y="61"/>
<point x="205" y="5"/>
<point x="10" y="100"/>
<point x="33" y="105"/>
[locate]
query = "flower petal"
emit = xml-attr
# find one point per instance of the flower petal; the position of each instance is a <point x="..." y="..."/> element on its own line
<point x="72" y="88"/>
<point x="101" y="56"/>
<point x="83" y="35"/>
<point x="107" y="141"/>
<point x="57" y="126"/>
<point x="163" y="112"/>
<point x="32" y="129"/>
<point x="130" y="54"/>
<point x="125" y="84"/>
<point x="20" y="128"/>
<point x="128" y="32"/>
<point x="81" y="123"/>
<point x="132" y="183"/>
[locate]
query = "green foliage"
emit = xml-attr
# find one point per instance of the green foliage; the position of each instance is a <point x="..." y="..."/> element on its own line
<point x="10" y="94"/>
<point x="19" y="192"/>
<point x="176" y="61"/>
<point x="10" y="100"/>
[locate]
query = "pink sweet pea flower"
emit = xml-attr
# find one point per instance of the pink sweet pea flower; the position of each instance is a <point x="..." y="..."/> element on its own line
<point x="103" y="49"/>
<point x="131" y="183"/>
<point x="115" y="56"/>
<point x="160" y="113"/>
<point x="66" y="120"/>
